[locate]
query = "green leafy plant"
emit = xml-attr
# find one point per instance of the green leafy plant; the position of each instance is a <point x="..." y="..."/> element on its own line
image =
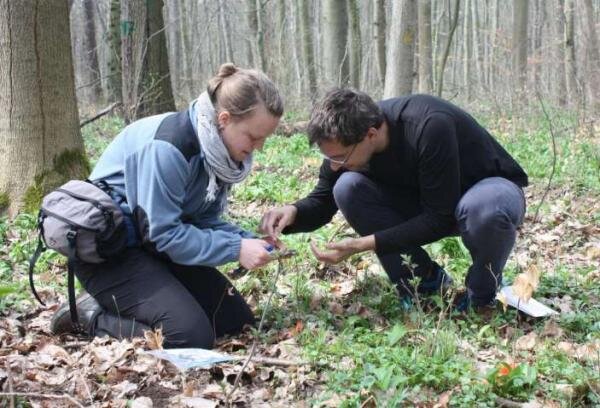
<point x="513" y="380"/>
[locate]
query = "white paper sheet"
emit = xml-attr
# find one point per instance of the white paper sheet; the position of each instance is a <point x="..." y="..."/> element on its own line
<point x="532" y="307"/>
<point x="186" y="358"/>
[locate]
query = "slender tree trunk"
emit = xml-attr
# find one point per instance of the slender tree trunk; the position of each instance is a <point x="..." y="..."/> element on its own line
<point x="252" y="22"/>
<point x="468" y="50"/>
<point x="444" y="57"/>
<point x="177" y="60"/>
<point x="425" y="61"/>
<point x="157" y="73"/>
<point x="594" y="56"/>
<point x="93" y="85"/>
<point x="571" y="68"/>
<point x="260" y="34"/>
<point x="307" y="47"/>
<point x="187" y="53"/>
<point x="538" y="43"/>
<point x="519" y="44"/>
<point x="559" y="51"/>
<point x="380" y="28"/>
<point x="225" y="32"/>
<point x="476" y="43"/>
<point x="400" y="73"/>
<point x="40" y="142"/>
<point x="145" y="68"/>
<point x="355" y="43"/>
<point x="335" y="41"/>
<point x="114" y="55"/>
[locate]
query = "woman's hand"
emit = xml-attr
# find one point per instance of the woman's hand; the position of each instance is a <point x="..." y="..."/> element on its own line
<point x="275" y="220"/>
<point x="254" y="253"/>
<point x="338" y="251"/>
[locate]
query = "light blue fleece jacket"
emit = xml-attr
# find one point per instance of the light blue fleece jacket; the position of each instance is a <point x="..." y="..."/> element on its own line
<point x="167" y="184"/>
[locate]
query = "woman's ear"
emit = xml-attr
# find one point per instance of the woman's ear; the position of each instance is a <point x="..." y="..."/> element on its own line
<point x="223" y="118"/>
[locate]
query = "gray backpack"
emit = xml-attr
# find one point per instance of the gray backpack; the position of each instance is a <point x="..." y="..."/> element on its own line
<point x="81" y="221"/>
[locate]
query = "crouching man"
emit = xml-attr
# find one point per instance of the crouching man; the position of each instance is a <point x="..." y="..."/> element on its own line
<point x="406" y="172"/>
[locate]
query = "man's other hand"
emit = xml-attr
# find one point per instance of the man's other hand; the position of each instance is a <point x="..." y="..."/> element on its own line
<point x="335" y="252"/>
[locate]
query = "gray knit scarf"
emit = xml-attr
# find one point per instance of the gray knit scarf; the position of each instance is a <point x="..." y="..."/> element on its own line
<point x="217" y="162"/>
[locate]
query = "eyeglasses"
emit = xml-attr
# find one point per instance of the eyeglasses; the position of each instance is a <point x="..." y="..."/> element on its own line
<point x="340" y="162"/>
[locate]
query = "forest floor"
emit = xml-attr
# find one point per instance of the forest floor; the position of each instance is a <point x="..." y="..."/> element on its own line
<point x="346" y="337"/>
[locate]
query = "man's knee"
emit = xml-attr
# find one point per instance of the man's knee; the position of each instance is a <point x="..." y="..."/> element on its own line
<point x="349" y="186"/>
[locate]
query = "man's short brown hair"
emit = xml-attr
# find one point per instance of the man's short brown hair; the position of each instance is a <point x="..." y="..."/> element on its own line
<point x="344" y="115"/>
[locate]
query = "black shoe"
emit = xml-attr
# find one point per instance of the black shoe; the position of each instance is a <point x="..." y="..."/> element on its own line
<point x="87" y="310"/>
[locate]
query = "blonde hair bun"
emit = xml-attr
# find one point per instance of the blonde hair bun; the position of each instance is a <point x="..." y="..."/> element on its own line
<point x="227" y="69"/>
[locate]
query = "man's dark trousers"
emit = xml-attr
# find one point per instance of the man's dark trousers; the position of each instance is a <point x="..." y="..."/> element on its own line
<point x="487" y="217"/>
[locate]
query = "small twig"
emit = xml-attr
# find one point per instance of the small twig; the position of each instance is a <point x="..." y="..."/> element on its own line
<point x="87" y="389"/>
<point x="506" y="403"/>
<point x="119" y="317"/>
<point x="10" y="384"/>
<point x="37" y="395"/>
<point x="260" y="324"/>
<point x="273" y="361"/>
<point x="336" y="231"/>
<point x="214" y="316"/>
<point x="537" y="211"/>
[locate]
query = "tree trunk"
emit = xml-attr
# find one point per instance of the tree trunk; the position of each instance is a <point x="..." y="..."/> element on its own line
<point x="114" y="56"/>
<point x="307" y="48"/>
<point x="252" y="22"/>
<point x="444" y="57"/>
<point x="335" y="36"/>
<point x="380" y="37"/>
<point x="594" y="57"/>
<point x="538" y="42"/>
<point x="175" y="49"/>
<point x="571" y="68"/>
<point x="93" y="85"/>
<point x="468" y="50"/>
<point x="40" y="142"/>
<point x="355" y="43"/>
<point x="145" y="66"/>
<point x="425" y="62"/>
<point x="157" y="72"/>
<point x="400" y="60"/>
<point x="519" y="44"/>
<point x="260" y="35"/>
<point x="225" y="32"/>
<point x="559" y="53"/>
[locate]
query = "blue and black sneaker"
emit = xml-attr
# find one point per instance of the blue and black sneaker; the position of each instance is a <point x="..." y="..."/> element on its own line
<point x="438" y="284"/>
<point x="465" y="302"/>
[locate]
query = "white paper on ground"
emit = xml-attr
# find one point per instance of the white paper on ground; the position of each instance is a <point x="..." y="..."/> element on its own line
<point x="532" y="307"/>
<point x="186" y="358"/>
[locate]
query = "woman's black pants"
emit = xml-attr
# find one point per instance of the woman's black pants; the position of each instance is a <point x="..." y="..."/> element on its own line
<point x="139" y="291"/>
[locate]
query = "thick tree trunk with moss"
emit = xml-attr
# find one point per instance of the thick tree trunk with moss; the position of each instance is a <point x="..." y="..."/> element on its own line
<point x="40" y="142"/>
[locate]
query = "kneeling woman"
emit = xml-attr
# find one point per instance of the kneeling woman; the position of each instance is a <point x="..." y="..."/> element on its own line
<point x="171" y="174"/>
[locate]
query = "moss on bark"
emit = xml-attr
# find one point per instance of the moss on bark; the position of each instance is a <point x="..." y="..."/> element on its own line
<point x="70" y="164"/>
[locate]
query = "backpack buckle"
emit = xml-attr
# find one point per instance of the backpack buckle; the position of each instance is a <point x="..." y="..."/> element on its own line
<point x="71" y="235"/>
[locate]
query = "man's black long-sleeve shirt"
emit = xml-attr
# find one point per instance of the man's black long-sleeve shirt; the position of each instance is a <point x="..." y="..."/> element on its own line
<point x="436" y="151"/>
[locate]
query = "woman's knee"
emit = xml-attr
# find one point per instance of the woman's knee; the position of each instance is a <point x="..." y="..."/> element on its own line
<point x="191" y="331"/>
